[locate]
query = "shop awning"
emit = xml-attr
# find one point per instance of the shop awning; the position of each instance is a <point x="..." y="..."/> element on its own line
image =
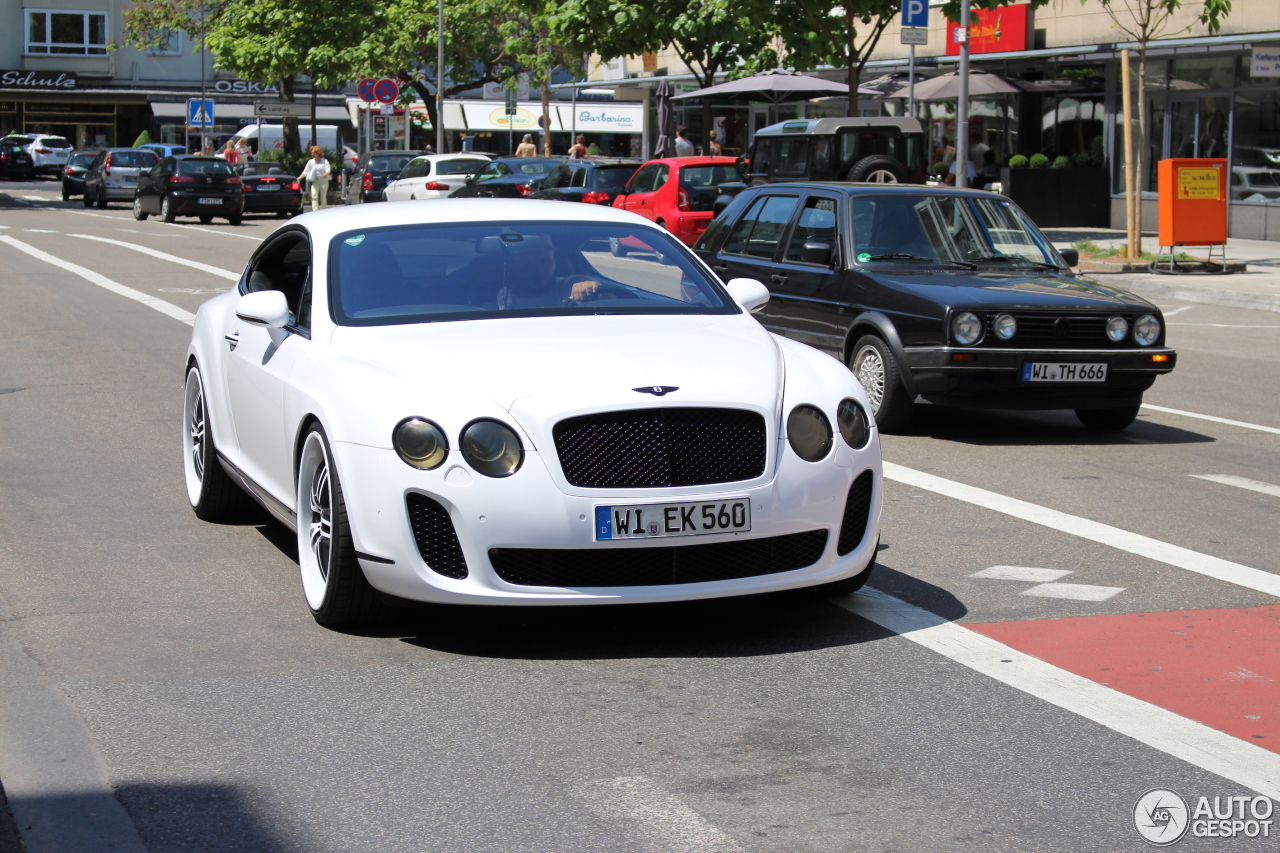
<point x="243" y="112"/>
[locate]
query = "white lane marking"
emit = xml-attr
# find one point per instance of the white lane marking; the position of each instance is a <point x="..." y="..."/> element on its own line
<point x="665" y="819"/>
<point x="102" y="281"/>
<point x="1105" y="534"/>
<point x="1021" y="573"/>
<point x="1074" y="591"/>
<point x="39" y="231"/>
<point x="151" y="233"/>
<point x="98" y="215"/>
<point x="1224" y="326"/>
<point x="35" y="198"/>
<point x="167" y="224"/>
<point x="1241" y="483"/>
<point x="1177" y="311"/>
<point x="1195" y="743"/>
<point x="1216" y="420"/>
<point x="164" y="256"/>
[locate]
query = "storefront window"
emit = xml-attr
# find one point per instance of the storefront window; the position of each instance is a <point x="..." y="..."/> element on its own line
<point x="1255" y="154"/>
<point x="1245" y="78"/>
<point x="67" y="33"/>
<point x="1202" y="73"/>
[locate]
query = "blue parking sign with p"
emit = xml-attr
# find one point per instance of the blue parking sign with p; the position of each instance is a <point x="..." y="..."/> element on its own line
<point x="915" y="13"/>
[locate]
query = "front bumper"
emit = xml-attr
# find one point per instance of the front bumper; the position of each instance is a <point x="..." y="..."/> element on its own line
<point x="993" y="379"/>
<point x="527" y="510"/>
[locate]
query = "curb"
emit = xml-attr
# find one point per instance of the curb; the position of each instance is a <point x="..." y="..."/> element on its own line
<point x="1203" y="295"/>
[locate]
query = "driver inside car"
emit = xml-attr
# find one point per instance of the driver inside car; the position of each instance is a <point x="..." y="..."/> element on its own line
<point x="536" y="284"/>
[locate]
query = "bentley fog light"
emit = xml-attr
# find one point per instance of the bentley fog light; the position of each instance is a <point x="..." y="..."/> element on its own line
<point x="420" y="443"/>
<point x="852" y="421"/>
<point x="1005" y="326"/>
<point x="492" y="448"/>
<point x="1147" y="330"/>
<point x="1117" y="328"/>
<point x="809" y="432"/>
<point x="966" y="328"/>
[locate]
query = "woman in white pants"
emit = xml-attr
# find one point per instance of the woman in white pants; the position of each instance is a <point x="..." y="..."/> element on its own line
<point x="317" y="172"/>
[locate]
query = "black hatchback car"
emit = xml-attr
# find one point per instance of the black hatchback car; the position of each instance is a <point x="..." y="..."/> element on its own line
<point x="596" y="181"/>
<point x="373" y="172"/>
<point x="15" y="162"/>
<point x="508" y="177"/>
<point x="939" y="295"/>
<point x="190" y="186"/>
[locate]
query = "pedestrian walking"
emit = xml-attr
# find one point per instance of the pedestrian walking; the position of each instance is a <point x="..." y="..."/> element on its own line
<point x="684" y="148"/>
<point x="713" y="147"/>
<point x="230" y="154"/>
<point x="526" y="148"/>
<point x="593" y="150"/>
<point x="578" y="150"/>
<point x="243" y="151"/>
<point x="317" y="173"/>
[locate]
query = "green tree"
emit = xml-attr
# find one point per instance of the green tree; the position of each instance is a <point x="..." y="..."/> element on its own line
<point x="532" y="47"/>
<point x="1143" y="21"/>
<point x="148" y="23"/>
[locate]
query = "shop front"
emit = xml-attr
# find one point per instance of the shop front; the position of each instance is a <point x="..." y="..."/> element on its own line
<point x="61" y="103"/>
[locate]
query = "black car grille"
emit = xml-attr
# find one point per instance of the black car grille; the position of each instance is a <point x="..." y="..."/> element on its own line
<point x="857" y="513"/>
<point x="657" y="448"/>
<point x="436" y="538"/>
<point x="664" y="566"/>
<point x="1060" y="331"/>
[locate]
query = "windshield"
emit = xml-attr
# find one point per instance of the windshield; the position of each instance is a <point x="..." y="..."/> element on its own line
<point x="613" y="177"/>
<point x="205" y="167"/>
<point x="390" y="163"/>
<point x="532" y="167"/>
<point x="133" y="159"/>
<point x="457" y="167"/>
<point x="431" y="273"/>
<point x="80" y="160"/>
<point x="945" y="229"/>
<point x="53" y="142"/>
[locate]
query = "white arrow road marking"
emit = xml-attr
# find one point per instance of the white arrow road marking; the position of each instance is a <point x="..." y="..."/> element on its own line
<point x="1216" y="420"/>
<point x="1195" y="743"/>
<point x="1074" y="591"/>
<point x="164" y="256"/>
<point x="664" y="818"/>
<point x="1105" y="534"/>
<point x="1021" y="573"/>
<point x="166" y="308"/>
<point x="1241" y="483"/>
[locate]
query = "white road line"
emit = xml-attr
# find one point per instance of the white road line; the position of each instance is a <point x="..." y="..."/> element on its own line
<point x="167" y="224"/>
<point x="36" y="198"/>
<point x="665" y="819"/>
<point x="1105" y="534"/>
<point x="39" y="231"/>
<point x="151" y="233"/>
<point x="1074" y="591"/>
<point x="1195" y="743"/>
<point x="164" y="256"/>
<point x="1026" y="574"/>
<point x="102" y="281"/>
<point x="1241" y="483"/>
<point x="1177" y="311"/>
<point x="1216" y="420"/>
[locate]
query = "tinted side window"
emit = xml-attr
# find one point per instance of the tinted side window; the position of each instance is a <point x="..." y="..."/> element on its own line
<point x="557" y="179"/>
<point x="766" y="228"/>
<point x="792" y="157"/>
<point x="737" y="241"/>
<point x="579" y="176"/>
<point x="817" y="224"/>
<point x="642" y="181"/>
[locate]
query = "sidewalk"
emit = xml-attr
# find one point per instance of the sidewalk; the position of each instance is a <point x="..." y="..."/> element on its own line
<point x="1259" y="288"/>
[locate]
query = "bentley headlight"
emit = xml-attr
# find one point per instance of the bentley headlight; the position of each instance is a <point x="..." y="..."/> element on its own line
<point x="852" y="420"/>
<point x="420" y="443"/>
<point x="1147" y="330"/>
<point x="1005" y="326"/>
<point x="492" y="448"/>
<point x="966" y="328"/>
<point x="1117" y="328"/>
<point x="809" y="432"/>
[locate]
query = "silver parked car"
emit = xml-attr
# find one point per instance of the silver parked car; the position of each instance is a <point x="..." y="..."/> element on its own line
<point x="113" y="175"/>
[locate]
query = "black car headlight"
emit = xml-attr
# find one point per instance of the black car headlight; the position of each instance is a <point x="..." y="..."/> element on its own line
<point x="1005" y="326"/>
<point x="1146" y="331"/>
<point x="855" y="428"/>
<point x="966" y="328"/>
<point x="420" y="443"/>
<point x="809" y="432"/>
<point x="1117" y="329"/>
<point x="492" y="448"/>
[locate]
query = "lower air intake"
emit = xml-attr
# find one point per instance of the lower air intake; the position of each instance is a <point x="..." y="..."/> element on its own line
<point x="436" y="538"/>
<point x="857" y="513"/>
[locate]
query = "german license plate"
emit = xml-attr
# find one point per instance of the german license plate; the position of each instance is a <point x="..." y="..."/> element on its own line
<point x="209" y="201"/>
<point x="658" y="521"/>
<point x="268" y="188"/>
<point x="1050" y="371"/>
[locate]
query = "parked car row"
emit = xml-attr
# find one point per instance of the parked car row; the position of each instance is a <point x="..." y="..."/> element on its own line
<point x="48" y="153"/>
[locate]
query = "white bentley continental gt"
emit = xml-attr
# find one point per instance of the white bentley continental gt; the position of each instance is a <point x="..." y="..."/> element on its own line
<point x="523" y="402"/>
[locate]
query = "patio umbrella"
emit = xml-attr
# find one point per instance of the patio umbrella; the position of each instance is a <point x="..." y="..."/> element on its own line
<point x="775" y="87"/>
<point x="666" y="144"/>
<point x="948" y="86"/>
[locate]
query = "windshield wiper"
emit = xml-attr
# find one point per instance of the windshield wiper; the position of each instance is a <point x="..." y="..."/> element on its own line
<point x="1017" y="259"/>
<point x="904" y="256"/>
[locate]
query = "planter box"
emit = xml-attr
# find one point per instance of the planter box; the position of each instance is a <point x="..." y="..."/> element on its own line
<point x="1057" y="198"/>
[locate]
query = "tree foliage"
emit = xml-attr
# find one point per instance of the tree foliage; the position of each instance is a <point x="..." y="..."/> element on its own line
<point x="148" y="23"/>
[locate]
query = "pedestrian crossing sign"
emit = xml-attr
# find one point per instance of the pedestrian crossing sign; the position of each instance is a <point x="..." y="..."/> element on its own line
<point x="200" y="112"/>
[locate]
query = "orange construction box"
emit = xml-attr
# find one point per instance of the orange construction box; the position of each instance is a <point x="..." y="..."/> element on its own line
<point x="1193" y="202"/>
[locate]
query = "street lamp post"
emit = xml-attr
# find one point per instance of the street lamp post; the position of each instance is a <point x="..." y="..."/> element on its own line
<point x="440" y="80"/>
<point x="962" y="106"/>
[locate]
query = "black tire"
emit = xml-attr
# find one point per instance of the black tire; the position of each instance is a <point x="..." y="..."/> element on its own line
<point x="337" y="592"/>
<point x="166" y="210"/>
<point x="205" y="220"/>
<point x="100" y="200"/>
<point x="88" y="202"/>
<point x="878" y="169"/>
<point x="876" y="368"/>
<point x="66" y="196"/>
<point x="1108" y="420"/>
<point x="213" y="495"/>
<point x="235" y="219"/>
<point x="138" y="213"/>
<point x="282" y="214"/>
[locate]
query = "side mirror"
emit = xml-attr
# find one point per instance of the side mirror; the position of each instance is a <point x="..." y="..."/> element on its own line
<point x="816" y="253"/>
<point x="749" y="293"/>
<point x="1071" y="256"/>
<point x="264" y="308"/>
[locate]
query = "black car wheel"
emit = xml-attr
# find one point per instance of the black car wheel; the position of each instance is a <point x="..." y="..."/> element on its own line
<point x="1111" y="419"/>
<point x="99" y="200"/>
<point x="282" y="214"/>
<point x="876" y="369"/>
<point x="138" y="213"/>
<point x="166" y="210"/>
<point x="88" y="202"/>
<point x="234" y="219"/>
<point x="205" y="220"/>
<point x="878" y="169"/>
<point x="66" y="195"/>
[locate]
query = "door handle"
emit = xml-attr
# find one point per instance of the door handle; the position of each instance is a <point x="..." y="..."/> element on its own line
<point x="780" y="279"/>
<point x="232" y="339"/>
<point x="723" y="268"/>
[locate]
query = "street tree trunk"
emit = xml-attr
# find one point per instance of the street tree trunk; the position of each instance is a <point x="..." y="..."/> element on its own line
<point x="546" y="117"/>
<point x="315" y="137"/>
<point x="289" y="127"/>
<point x="1135" y="250"/>
<point x="428" y="97"/>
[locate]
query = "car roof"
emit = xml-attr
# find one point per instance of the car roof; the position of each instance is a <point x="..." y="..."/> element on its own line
<point x="464" y="155"/>
<point x="694" y="161"/>
<point x="852" y="189"/>
<point x="829" y="126"/>
<point x="606" y="161"/>
<point x="127" y="148"/>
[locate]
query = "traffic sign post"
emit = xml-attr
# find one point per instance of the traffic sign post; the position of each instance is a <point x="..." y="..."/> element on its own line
<point x="280" y="109"/>
<point x="915" y="14"/>
<point x="915" y="30"/>
<point x="386" y="91"/>
<point x="513" y="107"/>
<point x="365" y="89"/>
<point x="200" y="113"/>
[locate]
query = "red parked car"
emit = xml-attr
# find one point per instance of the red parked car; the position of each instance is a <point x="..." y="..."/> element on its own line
<point x="678" y="193"/>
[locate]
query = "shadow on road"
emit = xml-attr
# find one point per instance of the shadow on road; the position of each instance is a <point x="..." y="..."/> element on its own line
<point x="1031" y="429"/>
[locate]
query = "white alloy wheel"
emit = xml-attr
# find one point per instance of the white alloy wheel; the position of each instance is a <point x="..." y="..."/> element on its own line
<point x="315" y="520"/>
<point x="868" y="369"/>
<point x="211" y="491"/>
<point x="194" y="428"/>
<point x="882" y="176"/>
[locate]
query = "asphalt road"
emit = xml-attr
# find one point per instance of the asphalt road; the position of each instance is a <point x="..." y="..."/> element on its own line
<point x="163" y="688"/>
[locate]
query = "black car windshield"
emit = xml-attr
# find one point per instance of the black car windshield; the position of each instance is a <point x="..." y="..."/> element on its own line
<point x="390" y="163"/>
<point x="941" y="229"/>
<point x="431" y="273"/>
<point x="80" y="159"/>
<point x="133" y="159"/>
<point x="612" y="177"/>
<point x="457" y="167"/>
<point x="53" y="142"/>
<point x="205" y="167"/>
